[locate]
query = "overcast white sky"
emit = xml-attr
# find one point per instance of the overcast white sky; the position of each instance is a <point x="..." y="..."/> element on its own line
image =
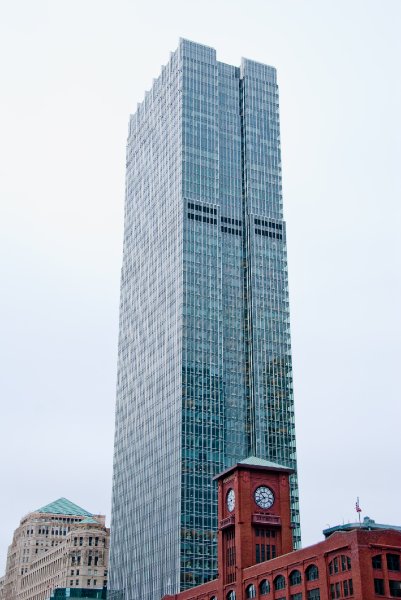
<point x="72" y="71"/>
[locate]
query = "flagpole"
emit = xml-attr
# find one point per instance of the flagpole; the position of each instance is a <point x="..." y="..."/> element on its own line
<point x="358" y="510"/>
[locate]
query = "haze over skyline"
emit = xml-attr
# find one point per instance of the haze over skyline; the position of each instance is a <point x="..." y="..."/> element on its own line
<point x="72" y="73"/>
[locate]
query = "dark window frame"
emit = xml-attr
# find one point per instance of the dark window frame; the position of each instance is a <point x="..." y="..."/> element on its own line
<point x="312" y="573"/>
<point x="279" y="582"/>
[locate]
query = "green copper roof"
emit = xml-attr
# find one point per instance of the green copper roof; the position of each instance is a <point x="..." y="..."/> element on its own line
<point x="62" y="506"/>
<point x="367" y="523"/>
<point x="261" y="462"/>
<point x="254" y="461"/>
<point x="90" y="520"/>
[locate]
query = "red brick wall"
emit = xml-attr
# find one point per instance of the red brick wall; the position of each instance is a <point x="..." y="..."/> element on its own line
<point x="358" y="545"/>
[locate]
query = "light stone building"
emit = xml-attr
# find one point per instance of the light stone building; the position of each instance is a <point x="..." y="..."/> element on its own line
<point x="2" y="581"/>
<point x="58" y="546"/>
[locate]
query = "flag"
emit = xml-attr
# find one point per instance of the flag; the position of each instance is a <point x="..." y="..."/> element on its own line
<point x="357" y="507"/>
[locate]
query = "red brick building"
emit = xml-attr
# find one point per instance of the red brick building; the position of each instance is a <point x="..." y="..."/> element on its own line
<point x="256" y="557"/>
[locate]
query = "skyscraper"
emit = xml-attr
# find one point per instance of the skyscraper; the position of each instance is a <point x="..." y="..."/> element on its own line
<point x="204" y="373"/>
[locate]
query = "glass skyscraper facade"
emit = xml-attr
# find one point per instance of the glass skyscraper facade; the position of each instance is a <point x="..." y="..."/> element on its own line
<point x="204" y="372"/>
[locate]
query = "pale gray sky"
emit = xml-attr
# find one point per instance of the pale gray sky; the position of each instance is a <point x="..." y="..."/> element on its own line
<point x="72" y="71"/>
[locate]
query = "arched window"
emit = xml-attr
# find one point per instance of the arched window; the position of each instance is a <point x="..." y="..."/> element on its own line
<point x="312" y="573"/>
<point x="231" y="595"/>
<point x="345" y="563"/>
<point x="213" y="598"/>
<point x="279" y="582"/>
<point x="250" y="591"/>
<point x="264" y="587"/>
<point x="377" y="561"/>
<point x="342" y="562"/>
<point x="295" y="577"/>
<point x="333" y="566"/>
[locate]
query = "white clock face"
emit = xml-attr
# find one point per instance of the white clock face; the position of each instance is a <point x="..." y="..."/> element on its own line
<point x="264" y="497"/>
<point x="230" y="500"/>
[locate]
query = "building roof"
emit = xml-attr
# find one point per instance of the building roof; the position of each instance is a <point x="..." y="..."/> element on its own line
<point x="62" y="506"/>
<point x="261" y="462"/>
<point x="255" y="462"/>
<point x="90" y="520"/>
<point x="367" y="523"/>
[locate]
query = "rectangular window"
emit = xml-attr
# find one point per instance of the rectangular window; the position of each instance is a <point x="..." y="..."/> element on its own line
<point x="201" y="208"/>
<point x="77" y="582"/>
<point x="225" y="229"/>
<point x="379" y="586"/>
<point x="345" y="588"/>
<point x="377" y="562"/>
<point x="88" y="582"/>
<point x="314" y="594"/>
<point x="395" y="589"/>
<point x="393" y="562"/>
<point x="231" y="221"/>
<point x="297" y="596"/>
<point x="201" y="218"/>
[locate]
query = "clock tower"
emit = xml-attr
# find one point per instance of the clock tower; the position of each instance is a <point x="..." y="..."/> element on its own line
<point x="254" y="517"/>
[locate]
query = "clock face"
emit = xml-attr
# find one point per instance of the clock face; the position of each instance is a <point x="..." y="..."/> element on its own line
<point x="264" y="497"/>
<point x="230" y="500"/>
